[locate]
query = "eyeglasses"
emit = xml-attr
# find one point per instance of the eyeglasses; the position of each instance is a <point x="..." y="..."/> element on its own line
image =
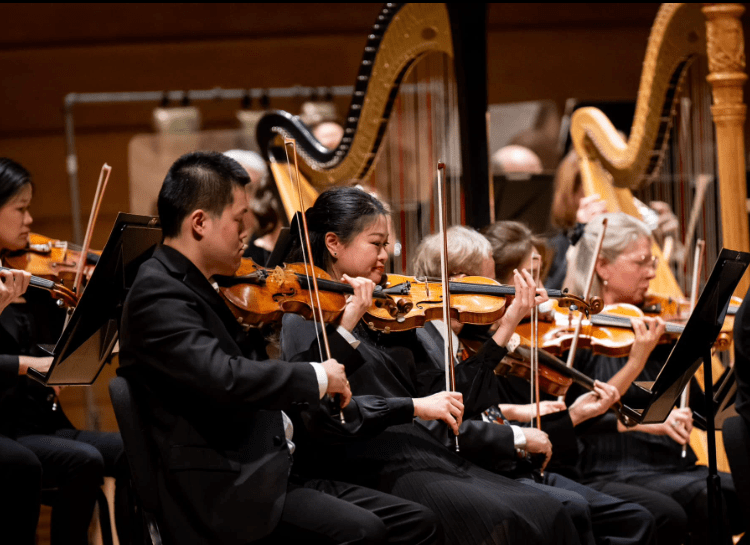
<point x="645" y="261"/>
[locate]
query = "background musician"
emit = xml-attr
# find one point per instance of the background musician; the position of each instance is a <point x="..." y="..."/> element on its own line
<point x="491" y="445"/>
<point x="73" y="461"/>
<point x="512" y="245"/>
<point x="349" y="237"/>
<point x="20" y="470"/>
<point x="224" y="445"/>
<point x="647" y="455"/>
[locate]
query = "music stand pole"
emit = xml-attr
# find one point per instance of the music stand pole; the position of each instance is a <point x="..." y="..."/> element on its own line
<point x="713" y="481"/>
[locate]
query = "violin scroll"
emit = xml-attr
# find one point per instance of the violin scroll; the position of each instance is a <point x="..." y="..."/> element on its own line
<point x="575" y="302"/>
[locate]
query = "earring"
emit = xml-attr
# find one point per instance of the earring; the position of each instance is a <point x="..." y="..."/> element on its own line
<point x="605" y="282"/>
<point x="335" y="254"/>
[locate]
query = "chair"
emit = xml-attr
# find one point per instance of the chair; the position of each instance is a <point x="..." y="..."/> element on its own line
<point x="737" y="445"/>
<point x="141" y="457"/>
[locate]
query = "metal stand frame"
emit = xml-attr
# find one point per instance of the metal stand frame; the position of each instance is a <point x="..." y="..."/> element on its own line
<point x="190" y="96"/>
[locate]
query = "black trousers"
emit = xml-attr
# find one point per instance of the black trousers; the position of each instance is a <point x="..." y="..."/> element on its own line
<point x="20" y="483"/>
<point x="328" y="512"/>
<point x="599" y="517"/>
<point x="74" y="462"/>
<point x="671" y="519"/>
<point x="688" y="488"/>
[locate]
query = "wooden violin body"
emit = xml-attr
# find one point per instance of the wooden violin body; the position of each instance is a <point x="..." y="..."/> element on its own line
<point x="257" y="296"/>
<point x="609" y="333"/>
<point x="474" y="300"/>
<point x="51" y="259"/>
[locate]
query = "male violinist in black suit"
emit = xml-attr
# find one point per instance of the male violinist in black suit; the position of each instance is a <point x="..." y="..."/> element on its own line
<point x="215" y="414"/>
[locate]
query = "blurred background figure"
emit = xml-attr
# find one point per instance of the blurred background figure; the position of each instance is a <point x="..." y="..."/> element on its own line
<point x="516" y="159"/>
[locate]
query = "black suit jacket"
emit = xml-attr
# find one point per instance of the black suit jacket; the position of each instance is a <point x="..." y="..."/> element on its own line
<point x="27" y="407"/>
<point x="214" y="415"/>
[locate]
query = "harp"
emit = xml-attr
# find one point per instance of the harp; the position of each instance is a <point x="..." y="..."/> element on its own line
<point x="689" y="45"/>
<point x="686" y="44"/>
<point x="422" y="63"/>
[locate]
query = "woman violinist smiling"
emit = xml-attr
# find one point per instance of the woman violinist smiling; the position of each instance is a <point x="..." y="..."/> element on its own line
<point x="649" y="455"/>
<point x="348" y="232"/>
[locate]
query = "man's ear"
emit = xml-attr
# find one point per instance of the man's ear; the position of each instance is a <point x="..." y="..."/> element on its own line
<point x="196" y="221"/>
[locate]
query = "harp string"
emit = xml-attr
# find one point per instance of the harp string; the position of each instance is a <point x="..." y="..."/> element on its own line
<point x="424" y="127"/>
<point x="690" y="162"/>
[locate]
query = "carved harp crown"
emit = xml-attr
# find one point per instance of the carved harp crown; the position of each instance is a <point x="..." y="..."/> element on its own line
<point x="672" y="46"/>
<point x="402" y="35"/>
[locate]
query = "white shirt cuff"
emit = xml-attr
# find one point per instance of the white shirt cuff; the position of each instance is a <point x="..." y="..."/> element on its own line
<point x="519" y="438"/>
<point x="320" y="373"/>
<point x="348" y="337"/>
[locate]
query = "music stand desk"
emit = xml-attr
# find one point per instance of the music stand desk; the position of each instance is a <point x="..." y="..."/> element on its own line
<point x="91" y="333"/>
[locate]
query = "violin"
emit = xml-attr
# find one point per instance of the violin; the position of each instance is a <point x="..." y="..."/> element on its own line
<point x="609" y="333"/>
<point x="474" y="300"/>
<point x="678" y="310"/>
<point x="64" y="296"/>
<point x="257" y="295"/>
<point x="555" y="378"/>
<point x="51" y="259"/>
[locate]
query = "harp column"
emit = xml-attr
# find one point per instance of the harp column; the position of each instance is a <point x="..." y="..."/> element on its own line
<point x="726" y="63"/>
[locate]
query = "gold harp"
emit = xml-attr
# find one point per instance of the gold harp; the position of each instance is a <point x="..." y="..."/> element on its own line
<point x="683" y="37"/>
<point x="405" y="37"/>
<point x="614" y="167"/>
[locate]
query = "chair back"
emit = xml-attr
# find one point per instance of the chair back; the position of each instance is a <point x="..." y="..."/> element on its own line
<point x="737" y="444"/>
<point x="140" y="452"/>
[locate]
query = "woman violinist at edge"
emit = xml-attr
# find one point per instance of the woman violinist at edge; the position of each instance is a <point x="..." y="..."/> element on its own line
<point x="349" y="235"/>
<point x="647" y="455"/>
<point x="72" y="461"/>
<point x="20" y="471"/>
<point x="512" y="245"/>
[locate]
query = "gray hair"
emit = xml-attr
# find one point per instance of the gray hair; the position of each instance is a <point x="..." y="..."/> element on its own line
<point x="622" y="231"/>
<point x="249" y="159"/>
<point x="466" y="251"/>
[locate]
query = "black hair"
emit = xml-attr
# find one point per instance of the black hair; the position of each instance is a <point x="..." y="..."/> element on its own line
<point x="199" y="180"/>
<point x="344" y="211"/>
<point x="13" y="178"/>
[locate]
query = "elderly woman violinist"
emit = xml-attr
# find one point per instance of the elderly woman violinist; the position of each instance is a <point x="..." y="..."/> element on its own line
<point x="648" y="456"/>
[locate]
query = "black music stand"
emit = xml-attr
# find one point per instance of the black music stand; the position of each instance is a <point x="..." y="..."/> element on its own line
<point x="90" y="336"/>
<point x="692" y="349"/>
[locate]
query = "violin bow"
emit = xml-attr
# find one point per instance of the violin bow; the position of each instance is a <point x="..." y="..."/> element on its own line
<point x="587" y="293"/>
<point x="450" y="354"/>
<point x="697" y="261"/>
<point x="101" y="186"/>
<point x="291" y="144"/>
<point x="535" y="270"/>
